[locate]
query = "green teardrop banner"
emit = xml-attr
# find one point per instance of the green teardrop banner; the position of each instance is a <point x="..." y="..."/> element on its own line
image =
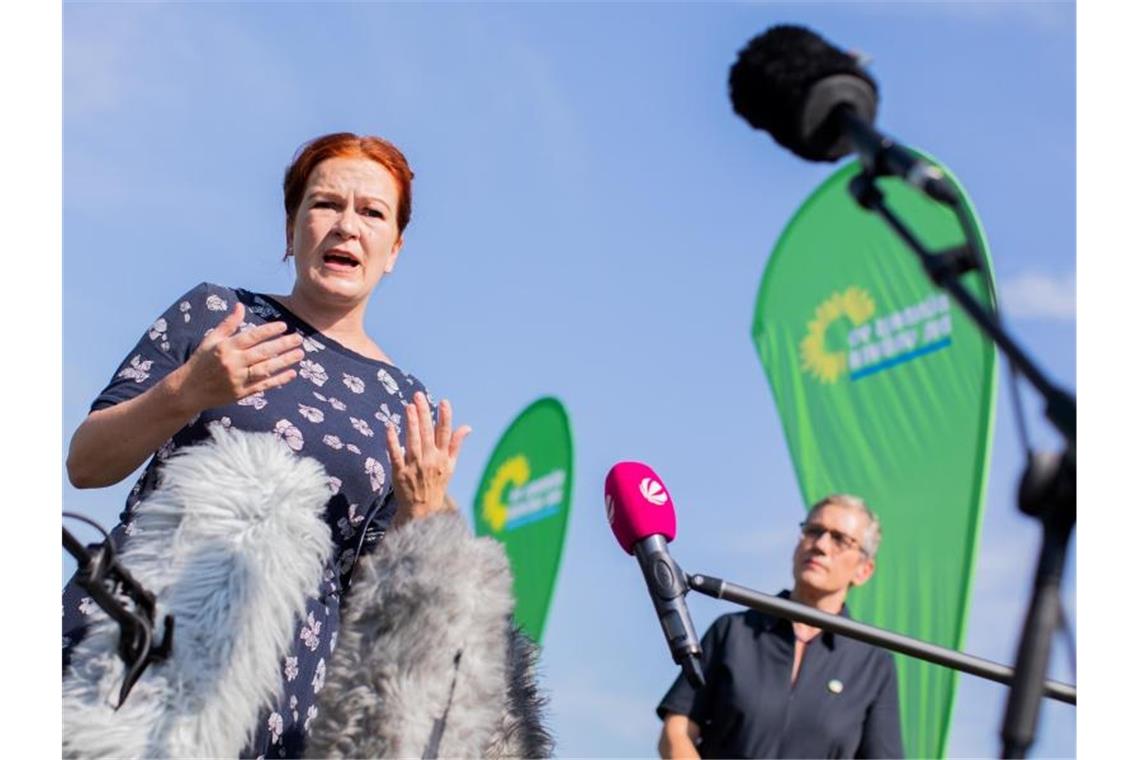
<point x="524" y="501"/>
<point x="885" y="389"/>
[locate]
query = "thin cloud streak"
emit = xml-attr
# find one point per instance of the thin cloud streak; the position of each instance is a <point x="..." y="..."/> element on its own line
<point x="1038" y="295"/>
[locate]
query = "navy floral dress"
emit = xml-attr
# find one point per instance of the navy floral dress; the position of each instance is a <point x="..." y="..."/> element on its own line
<point x="335" y="411"/>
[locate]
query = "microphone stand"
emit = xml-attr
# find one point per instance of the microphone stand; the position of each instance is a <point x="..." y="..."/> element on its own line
<point x="1048" y="484"/>
<point x="107" y="581"/>
<point x="896" y="642"/>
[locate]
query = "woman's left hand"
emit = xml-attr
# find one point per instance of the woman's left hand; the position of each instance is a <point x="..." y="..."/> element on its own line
<point x="422" y="470"/>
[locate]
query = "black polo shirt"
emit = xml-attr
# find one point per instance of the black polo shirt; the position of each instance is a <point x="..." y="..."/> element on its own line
<point x="844" y="702"/>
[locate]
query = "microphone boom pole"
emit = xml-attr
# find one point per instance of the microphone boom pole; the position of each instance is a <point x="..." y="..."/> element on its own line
<point x="923" y="650"/>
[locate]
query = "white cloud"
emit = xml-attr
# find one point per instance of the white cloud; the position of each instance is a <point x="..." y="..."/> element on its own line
<point x="1040" y="295"/>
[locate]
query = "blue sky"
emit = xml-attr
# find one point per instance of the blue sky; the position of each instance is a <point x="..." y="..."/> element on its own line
<point x="591" y="221"/>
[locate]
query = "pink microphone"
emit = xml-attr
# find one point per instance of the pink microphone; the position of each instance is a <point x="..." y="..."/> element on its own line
<point x="641" y="515"/>
<point x="637" y="505"/>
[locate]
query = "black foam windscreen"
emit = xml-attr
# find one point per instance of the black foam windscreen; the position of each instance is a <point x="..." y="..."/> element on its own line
<point x="789" y="81"/>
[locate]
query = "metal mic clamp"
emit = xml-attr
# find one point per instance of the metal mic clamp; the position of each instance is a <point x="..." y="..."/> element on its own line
<point x="667" y="586"/>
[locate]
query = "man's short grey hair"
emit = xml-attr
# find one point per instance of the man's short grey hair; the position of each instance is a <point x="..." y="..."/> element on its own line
<point x="872" y="536"/>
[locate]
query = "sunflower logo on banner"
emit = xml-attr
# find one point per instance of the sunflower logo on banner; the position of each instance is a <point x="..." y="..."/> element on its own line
<point x="853" y="307"/>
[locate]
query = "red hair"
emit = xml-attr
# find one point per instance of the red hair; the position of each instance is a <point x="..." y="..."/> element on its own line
<point x="348" y="145"/>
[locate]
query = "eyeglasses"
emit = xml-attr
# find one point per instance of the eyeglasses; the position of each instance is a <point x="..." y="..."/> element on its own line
<point x="839" y="539"/>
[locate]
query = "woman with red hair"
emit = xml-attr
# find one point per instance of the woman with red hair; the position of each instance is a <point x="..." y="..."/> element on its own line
<point x="301" y="366"/>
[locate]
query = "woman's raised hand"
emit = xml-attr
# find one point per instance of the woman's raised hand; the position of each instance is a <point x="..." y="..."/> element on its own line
<point x="422" y="470"/>
<point x="229" y="365"/>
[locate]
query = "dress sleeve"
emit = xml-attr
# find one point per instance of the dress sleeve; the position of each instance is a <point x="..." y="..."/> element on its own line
<point x="168" y="342"/>
<point x="682" y="698"/>
<point x="882" y="735"/>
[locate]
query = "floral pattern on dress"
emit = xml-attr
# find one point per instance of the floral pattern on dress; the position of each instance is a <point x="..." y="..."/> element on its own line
<point x="387" y="381"/>
<point x="313" y="372"/>
<point x="358" y="476"/>
<point x="375" y="472"/>
<point x="388" y="417"/>
<point x="291" y="669"/>
<point x="158" y="329"/>
<point x="139" y="371"/>
<point x="276" y="726"/>
<point x="361" y="427"/>
<point x="310" y="634"/>
<point x="264" y="309"/>
<point x="318" y="681"/>
<point x="311" y="413"/>
<point x="256" y="400"/>
<point x="157" y="332"/>
<point x="289" y="432"/>
<point x="353" y="383"/>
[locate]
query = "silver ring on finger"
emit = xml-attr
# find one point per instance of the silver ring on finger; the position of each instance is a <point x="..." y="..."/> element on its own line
<point x="249" y="374"/>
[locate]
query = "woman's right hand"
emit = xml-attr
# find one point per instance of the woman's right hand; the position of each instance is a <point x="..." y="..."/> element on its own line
<point x="229" y="365"/>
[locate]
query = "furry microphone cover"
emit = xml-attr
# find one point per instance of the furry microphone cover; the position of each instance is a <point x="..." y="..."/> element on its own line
<point x="232" y="543"/>
<point x="428" y="662"/>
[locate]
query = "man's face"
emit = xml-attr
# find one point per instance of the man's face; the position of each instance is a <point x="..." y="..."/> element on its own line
<point x="824" y="565"/>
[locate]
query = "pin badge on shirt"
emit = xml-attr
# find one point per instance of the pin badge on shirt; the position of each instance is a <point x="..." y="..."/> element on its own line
<point x="835" y="686"/>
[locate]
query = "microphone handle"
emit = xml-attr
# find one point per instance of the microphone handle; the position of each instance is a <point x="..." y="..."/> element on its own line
<point x="885" y="156"/>
<point x="667" y="587"/>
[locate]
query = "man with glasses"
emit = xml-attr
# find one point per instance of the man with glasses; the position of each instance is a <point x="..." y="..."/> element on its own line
<point x="781" y="689"/>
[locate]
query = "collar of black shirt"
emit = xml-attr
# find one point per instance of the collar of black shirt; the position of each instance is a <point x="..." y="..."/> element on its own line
<point x="783" y="626"/>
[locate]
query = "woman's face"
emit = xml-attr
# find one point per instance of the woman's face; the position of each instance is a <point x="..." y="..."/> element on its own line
<point x="823" y="566"/>
<point x="344" y="235"/>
